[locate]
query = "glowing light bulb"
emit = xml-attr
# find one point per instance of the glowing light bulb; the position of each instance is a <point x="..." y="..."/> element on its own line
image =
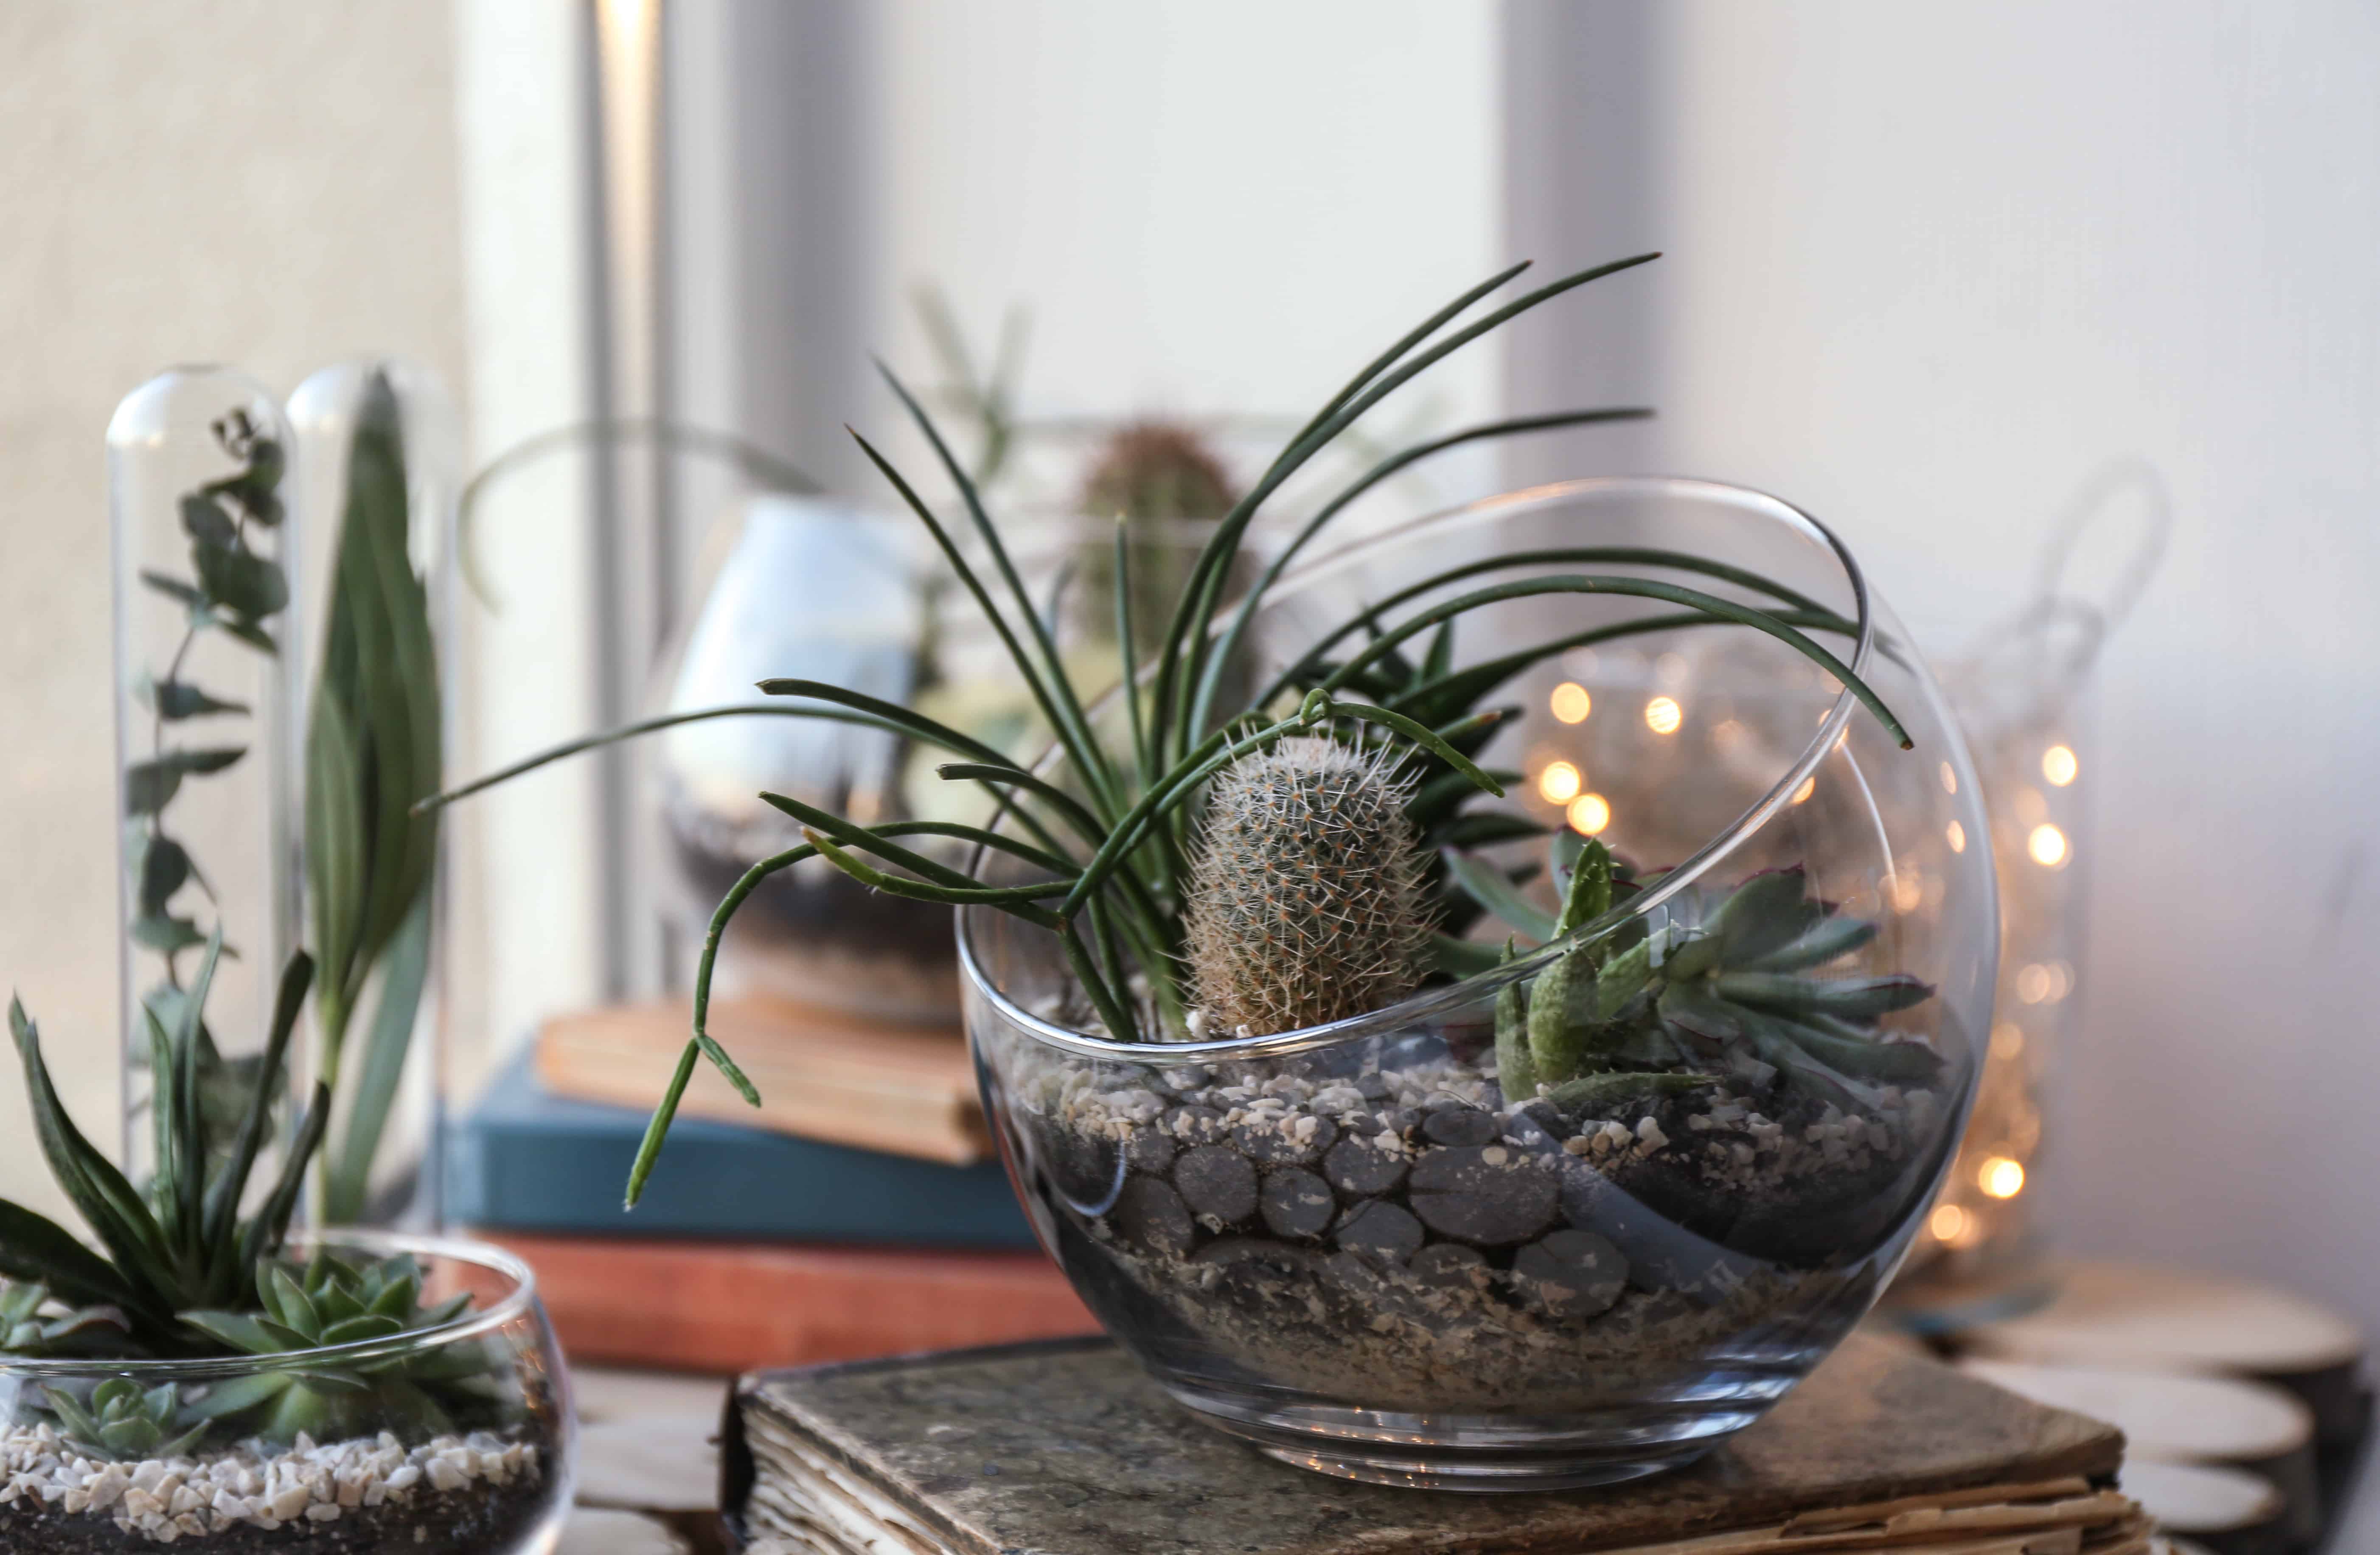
<point x="2058" y="766"/>
<point x="1949" y="1224"/>
<point x="1809" y="786"/>
<point x="2035" y="983"/>
<point x="1559" y="783"/>
<point x="1570" y="702"/>
<point x="1957" y="837"/>
<point x="2001" y="1177"/>
<point x="1663" y="715"/>
<point x="1950" y="779"/>
<point x="2047" y="845"/>
<point x="1589" y="813"/>
<point x="2007" y="1042"/>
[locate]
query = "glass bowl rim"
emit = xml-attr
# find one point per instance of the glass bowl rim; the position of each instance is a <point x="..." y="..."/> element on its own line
<point x="1420" y="1009"/>
<point x="474" y="1324"/>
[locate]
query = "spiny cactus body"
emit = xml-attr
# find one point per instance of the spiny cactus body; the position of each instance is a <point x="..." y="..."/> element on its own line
<point x="1307" y="902"/>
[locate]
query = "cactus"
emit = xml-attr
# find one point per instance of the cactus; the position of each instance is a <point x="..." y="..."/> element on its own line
<point x="1306" y="902"/>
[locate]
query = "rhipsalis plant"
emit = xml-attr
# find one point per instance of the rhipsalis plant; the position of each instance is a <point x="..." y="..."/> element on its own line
<point x="1100" y="847"/>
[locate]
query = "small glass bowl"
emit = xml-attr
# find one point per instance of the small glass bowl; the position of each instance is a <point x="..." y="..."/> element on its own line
<point x="1349" y="1246"/>
<point x="457" y="1439"/>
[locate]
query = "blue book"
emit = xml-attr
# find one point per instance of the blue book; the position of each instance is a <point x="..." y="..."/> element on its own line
<point x="523" y="1160"/>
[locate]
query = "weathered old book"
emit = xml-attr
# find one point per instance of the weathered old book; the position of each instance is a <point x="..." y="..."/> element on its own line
<point x="1064" y="1448"/>
<point x="727" y="1307"/>
<point x="821" y="1074"/>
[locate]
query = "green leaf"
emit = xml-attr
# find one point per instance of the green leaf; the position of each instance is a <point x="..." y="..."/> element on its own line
<point x="1765" y="913"/>
<point x="247" y="631"/>
<point x="239" y="580"/>
<point x="231" y="1183"/>
<point x="238" y="1394"/>
<point x="1589" y="896"/>
<point x="1488" y="886"/>
<point x="287" y="1300"/>
<point x="404" y="968"/>
<point x="167" y="936"/>
<point x="1833" y="938"/>
<point x="367" y="1325"/>
<point x="1460" y="958"/>
<point x="266" y="1230"/>
<point x="164" y="869"/>
<point x="238" y="1329"/>
<point x="1858" y="998"/>
<point x="1477" y="829"/>
<point x="35" y="1248"/>
<point x="336" y="841"/>
<point x="100" y="1193"/>
<point x="203" y="519"/>
<point x="172" y="587"/>
<point x="149" y="785"/>
<point x="179" y="699"/>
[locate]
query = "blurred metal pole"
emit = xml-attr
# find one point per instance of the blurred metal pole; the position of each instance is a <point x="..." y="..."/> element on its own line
<point x="637" y="558"/>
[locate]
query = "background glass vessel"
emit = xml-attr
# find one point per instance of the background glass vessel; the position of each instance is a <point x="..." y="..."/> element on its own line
<point x="1347" y="1246"/>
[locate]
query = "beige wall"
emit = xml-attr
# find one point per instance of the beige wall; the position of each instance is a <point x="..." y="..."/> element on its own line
<point x="250" y="181"/>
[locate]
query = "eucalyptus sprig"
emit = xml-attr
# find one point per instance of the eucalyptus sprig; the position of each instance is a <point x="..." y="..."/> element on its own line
<point x="234" y="588"/>
<point x="1106" y="825"/>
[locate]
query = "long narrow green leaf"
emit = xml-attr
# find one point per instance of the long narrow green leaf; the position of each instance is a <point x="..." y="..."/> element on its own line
<point x="1639" y="588"/>
<point x="223" y="1195"/>
<point x="1090" y="757"/>
<point x="37" y="1250"/>
<point x="97" y="1189"/>
<point x="910" y="724"/>
<point x="266" y="1231"/>
<point x="1438" y="698"/>
<point x="1340" y="421"/>
<point x="1214" y="559"/>
<point x="1143" y="759"/>
<point x="920" y="890"/>
<point x="1246" y="611"/>
<point x="1086" y="825"/>
<point x="403" y="969"/>
<point x="189" y="1183"/>
<point x="1488" y="885"/>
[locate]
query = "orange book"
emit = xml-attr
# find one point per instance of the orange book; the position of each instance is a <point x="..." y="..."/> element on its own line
<point x="727" y="1307"/>
<point x="821" y="1074"/>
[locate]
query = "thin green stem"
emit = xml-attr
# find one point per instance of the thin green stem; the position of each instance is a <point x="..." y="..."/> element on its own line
<point x="1638" y="587"/>
<point x="1095" y="773"/>
<point x="1212" y="678"/>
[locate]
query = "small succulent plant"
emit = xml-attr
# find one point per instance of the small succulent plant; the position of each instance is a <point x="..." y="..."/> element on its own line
<point x="336" y="1301"/>
<point x="125" y="1422"/>
<point x="1305" y="900"/>
<point x="33" y="1324"/>
<point x="1711" y="984"/>
<point x="186" y="1277"/>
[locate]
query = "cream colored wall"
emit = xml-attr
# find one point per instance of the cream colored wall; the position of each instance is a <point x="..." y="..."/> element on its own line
<point x="250" y="181"/>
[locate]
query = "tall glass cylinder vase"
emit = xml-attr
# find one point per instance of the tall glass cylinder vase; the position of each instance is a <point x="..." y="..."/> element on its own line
<point x="378" y="474"/>
<point x="206" y="635"/>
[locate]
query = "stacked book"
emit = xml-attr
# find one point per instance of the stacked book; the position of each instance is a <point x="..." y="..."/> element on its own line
<point x="858" y="1212"/>
<point x="1063" y="1448"/>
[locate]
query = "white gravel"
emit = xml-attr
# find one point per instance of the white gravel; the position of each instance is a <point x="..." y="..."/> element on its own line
<point x="255" y="1483"/>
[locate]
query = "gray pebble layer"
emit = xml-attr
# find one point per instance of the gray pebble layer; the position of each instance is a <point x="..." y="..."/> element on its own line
<point x="1403" y="1239"/>
<point x="255" y="1484"/>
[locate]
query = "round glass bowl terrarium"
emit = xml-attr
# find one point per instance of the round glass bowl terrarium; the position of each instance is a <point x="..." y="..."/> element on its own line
<point x="1374" y="1249"/>
<point x="455" y="1439"/>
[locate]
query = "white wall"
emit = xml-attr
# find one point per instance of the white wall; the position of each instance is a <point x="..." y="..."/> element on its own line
<point x="257" y="183"/>
<point x="1223" y="206"/>
<point x="1930" y="266"/>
